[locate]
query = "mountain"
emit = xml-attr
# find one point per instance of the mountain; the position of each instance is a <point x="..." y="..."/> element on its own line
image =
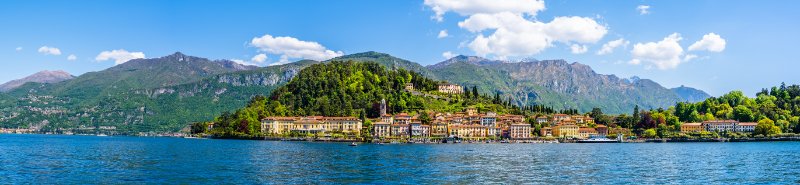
<point x="167" y="93"/>
<point x="386" y="60"/>
<point x="39" y="77"/>
<point x="554" y="83"/>
<point x="347" y="88"/>
<point x="160" y="95"/>
<point x="690" y="94"/>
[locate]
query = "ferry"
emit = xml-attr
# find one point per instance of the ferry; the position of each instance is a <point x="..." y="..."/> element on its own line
<point x="598" y="139"/>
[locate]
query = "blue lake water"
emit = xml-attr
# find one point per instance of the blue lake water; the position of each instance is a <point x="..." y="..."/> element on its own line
<point x="54" y="159"/>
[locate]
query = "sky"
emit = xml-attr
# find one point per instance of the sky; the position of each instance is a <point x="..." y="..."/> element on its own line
<point x="713" y="45"/>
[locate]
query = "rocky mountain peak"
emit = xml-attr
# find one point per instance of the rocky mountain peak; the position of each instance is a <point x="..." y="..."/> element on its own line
<point x="45" y="76"/>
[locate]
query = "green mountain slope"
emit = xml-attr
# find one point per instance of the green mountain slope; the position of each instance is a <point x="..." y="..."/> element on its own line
<point x="554" y="83"/>
<point x="347" y="88"/>
<point x="167" y="108"/>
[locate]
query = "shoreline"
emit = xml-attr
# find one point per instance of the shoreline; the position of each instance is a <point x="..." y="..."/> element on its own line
<point x="507" y="141"/>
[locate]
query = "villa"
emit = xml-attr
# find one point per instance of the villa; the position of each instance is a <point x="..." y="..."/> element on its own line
<point x="311" y="125"/>
<point x="451" y="88"/>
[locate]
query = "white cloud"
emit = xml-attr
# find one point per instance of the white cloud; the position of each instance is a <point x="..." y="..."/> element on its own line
<point x="710" y="42"/>
<point x="260" y="58"/>
<point x="516" y="36"/>
<point x="664" y="54"/>
<point x="578" y="49"/>
<point x="448" y="54"/>
<point x="72" y="57"/>
<point x="643" y="9"/>
<point x="502" y="29"/>
<point x="119" y="56"/>
<point x="283" y="60"/>
<point x="470" y="7"/>
<point x="49" y="50"/>
<point x="242" y="62"/>
<point x="289" y="47"/>
<point x="608" y="48"/>
<point x="689" y="57"/>
<point x="18" y="49"/>
<point x="442" y="34"/>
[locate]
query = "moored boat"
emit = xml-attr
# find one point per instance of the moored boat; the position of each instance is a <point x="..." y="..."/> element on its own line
<point x="598" y="139"/>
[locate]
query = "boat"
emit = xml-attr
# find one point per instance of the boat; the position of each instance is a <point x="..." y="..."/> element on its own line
<point x="353" y="144"/>
<point x="102" y="135"/>
<point x="598" y="139"/>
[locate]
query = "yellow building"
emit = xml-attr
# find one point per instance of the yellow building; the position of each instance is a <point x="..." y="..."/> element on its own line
<point x="568" y="130"/>
<point x="311" y="125"/>
<point x="585" y="132"/>
<point x="468" y="131"/>
<point x="692" y="127"/>
<point x="439" y="129"/>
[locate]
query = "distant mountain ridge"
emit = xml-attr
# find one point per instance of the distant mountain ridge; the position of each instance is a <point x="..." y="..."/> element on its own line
<point x="167" y="93"/>
<point x="556" y="83"/>
<point x="690" y="94"/>
<point x="39" y="77"/>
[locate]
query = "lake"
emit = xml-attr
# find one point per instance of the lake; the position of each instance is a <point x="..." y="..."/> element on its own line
<point x="60" y="159"/>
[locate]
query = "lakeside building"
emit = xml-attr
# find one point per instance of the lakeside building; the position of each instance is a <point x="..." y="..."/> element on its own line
<point x="519" y="131"/>
<point x="692" y="127"/>
<point x="469" y="124"/>
<point x="451" y="88"/>
<point x="311" y="125"/>
<point x="719" y="126"/>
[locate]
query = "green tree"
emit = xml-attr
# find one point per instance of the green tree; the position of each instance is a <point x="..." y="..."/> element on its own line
<point x="199" y="127"/>
<point x="742" y="113"/>
<point x="475" y="94"/>
<point x="764" y="127"/>
<point x="650" y="133"/>
<point x="424" y="117"/>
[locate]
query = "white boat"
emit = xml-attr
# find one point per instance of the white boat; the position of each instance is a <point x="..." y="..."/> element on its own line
<point x="353" y="144"/>
<point x="102" y="135"/>
<point x="598" y="139"/>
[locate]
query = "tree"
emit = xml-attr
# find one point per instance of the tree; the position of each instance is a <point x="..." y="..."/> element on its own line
<point x="466" y="92"/>
<point x="742" y="113"/>
<point x="764" y="127"/>
<point x="199" y="127"/>
<point x="596" y="113"/>
<point x="424" y="117"/>
<point x="650" y="133"/>
<point x="475" y="94"/>
<point x="635" y="115"/>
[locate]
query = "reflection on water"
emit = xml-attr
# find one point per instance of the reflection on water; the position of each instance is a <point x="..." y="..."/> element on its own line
<point x="47" y="159"/>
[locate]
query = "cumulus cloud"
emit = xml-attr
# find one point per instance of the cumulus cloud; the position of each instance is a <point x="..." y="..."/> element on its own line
<point x="72" y="57"/>
<point x="643" y="9"/>
<point x="470" y="7"/>
<point x="119" y="56"/>
<point x="289" y="47"/>
<point x="47" y="50"/>
<point x="18" y="49"/>
<point x="710" y="42"/>
<point x="260" y="58"/>
<point x="504" y="31"/>
<point x="664" y="54"/>
<point x="442" y="34"/>
<point x="608" y="48"/>
<point x="689" y="57"/>
<point x="578" y="49"/>
<point x="448" y="55"/>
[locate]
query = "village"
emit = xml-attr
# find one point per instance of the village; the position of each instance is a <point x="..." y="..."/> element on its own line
<point x="469" y="125"/>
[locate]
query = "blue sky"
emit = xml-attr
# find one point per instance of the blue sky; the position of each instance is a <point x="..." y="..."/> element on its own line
<point x="759" y="37"/>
